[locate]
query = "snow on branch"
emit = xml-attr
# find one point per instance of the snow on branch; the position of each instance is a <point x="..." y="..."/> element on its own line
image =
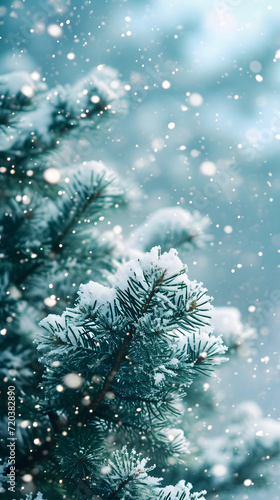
<point x="55" y="238"/>
<point x="33" y="118"/>
<point x="238" y="337"/>
<point x="143" y="339"/>
<point x="181" y="491"/>
<point x="172" y="227"/>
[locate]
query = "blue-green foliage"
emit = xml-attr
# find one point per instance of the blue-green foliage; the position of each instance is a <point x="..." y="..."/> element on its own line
<point x="171" y="228"/>
<point x="157" y="313"/>
<point x="80" y="451"/>
<point x="50" y="242"/>
<point x="33" y="118"/>
<point x="126" y="477"/>
<point x="124" y="356"/>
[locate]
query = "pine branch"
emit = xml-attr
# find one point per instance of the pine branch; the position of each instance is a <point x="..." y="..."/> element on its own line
<point x="113" y="372"/>
<point x="92" y="191"/>
<point x="120" y="488"/>
<point x="119" y="357"/>
<point x="128" y="478"/>
<point x="65" y="110"/>
<point x="139" y="340"/>
<point x="157" y="283"/>
<point x="74" y="220"/>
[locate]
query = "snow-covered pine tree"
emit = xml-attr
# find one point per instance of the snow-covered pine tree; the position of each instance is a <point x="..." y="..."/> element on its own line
<point x="50" y="243"/>
<point x="121" y="361"/>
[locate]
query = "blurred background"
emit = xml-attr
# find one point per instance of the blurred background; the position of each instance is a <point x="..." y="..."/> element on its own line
<point x="202" y="132"/>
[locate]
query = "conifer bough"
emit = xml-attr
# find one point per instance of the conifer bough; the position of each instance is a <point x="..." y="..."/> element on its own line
<point x="120" y="360"/>
<point x="33" y="118"/>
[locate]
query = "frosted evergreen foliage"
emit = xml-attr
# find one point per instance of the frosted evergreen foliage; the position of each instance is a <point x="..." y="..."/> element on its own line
<point x="81" y="453"/>
<point x="181" y="491"/>
<point x="125" y="355"/>
<point x="51" y="242"/>
<point x="171" y="228"/>
<point x="51" y="234"/>
<point x="32" y="117"/>
<point x="126" y="477"/>
<point x="154" y="316"/>
<point x="237" y="336"/>
<point x="123" y="363"/>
